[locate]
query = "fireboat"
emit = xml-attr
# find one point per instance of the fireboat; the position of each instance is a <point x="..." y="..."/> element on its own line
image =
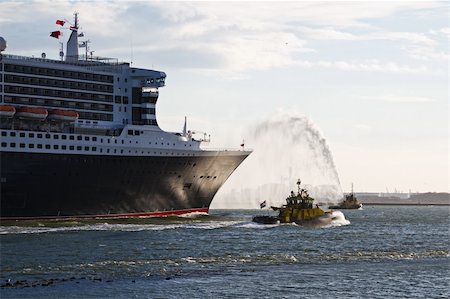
<point x="298" y="209"/>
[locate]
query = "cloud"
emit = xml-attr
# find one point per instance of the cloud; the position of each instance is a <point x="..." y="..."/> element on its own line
<point x="364" y="66"/>
<point x="362" y="127"/>
<point x="400" y="99"/>
<point x="231" y="39"/>
<point x="446" y="31"/>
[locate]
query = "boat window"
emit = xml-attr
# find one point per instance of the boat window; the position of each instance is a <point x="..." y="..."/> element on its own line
<point x="39" y="135"/>
<point x="4" y="144"/>
<point x="79" y="138"/>
<point x="12" y="134"/>
<point x="86" y="148"/>
<point x="39" y="146"/>
<point x="71" y="147"/>
<point x="71" y="137"/>
<point x="31" y="145"/>
<point x="63" y="147"/>
<point x="22" y="134"/>
<point x="64" y="137"/>
<point x="94" y="149"/>
<point x="47" y="136"/>
<point x="55" y="146"/>
<point x="47" y="146"/>
<point x="3" y="133"/>
<point x="55" y="136"/>
<point x="78" y="148"/>
<point x="94" y="138"/>
<point x="86" y="138"/>
<point x="31" y="135"/>
<point x="12" y="144"/>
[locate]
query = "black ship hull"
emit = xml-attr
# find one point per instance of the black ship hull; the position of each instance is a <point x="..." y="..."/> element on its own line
<point x="35" y="185"/>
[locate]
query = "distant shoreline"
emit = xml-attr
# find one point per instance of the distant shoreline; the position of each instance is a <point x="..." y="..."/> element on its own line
<point x="404" y="204"/>
<point x="418" y="199"/>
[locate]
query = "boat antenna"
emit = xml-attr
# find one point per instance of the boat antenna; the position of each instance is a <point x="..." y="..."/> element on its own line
<point x="184" y="127"/>
<point x="298" y="185"/>
<point x="131" y="45"/>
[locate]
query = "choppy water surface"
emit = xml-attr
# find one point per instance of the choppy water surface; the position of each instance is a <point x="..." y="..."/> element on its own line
<point x="384" y="252"/>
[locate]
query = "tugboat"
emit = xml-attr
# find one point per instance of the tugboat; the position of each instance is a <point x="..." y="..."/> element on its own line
<point x="298" y="209"/>
<point x="350" y="202"/>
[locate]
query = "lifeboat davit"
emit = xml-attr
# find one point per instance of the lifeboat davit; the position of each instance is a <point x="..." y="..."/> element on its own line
<point x="32" y="113"/>
<point x="7" y="111"/>
<point x="63" y="115"/>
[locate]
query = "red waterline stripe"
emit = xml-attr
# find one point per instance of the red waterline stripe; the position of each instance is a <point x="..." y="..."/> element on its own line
<point x="126" y="215"/>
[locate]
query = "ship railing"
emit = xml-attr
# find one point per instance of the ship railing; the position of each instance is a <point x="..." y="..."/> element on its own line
<point x="110" y="64"/>
<point x="228" y="149"/>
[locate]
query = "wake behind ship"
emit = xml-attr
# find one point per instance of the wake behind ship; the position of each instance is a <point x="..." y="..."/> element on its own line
<point x="80" y="138"/>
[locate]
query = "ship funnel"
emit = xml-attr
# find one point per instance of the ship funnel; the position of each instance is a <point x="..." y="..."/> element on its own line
<point x="72" y="43"/>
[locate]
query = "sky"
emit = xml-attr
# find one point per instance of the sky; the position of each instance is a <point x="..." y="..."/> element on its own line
<point x="373" y="77"/>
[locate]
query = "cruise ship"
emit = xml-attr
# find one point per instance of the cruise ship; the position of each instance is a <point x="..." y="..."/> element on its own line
<point x="80" y="138"/>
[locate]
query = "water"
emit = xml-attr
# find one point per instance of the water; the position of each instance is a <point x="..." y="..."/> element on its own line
<point x="385" y="252"/>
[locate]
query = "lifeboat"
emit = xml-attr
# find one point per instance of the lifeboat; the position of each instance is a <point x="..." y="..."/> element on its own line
<point x="32" y="113"/>
<point x="63" y="115"/>
<point x="7" y="111"/>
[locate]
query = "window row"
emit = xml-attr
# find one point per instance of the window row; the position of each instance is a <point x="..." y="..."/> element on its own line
<point x="48" y="146"/>
<point x="139" y="97"/>
<point x="48" y="136"/>
<point x="151" y="122"/>
<point x="78" y="137"/>
<point x="58" y="103"/>
<point x="56" y="136"/>
<point x="85" y="148"/>
<point x="59" y="83"/>
<point x="148" y="110"/>
<point x="95" y="116"/>
<point x="121" y="100"/>
<point x="58" y="93"/>
<point x="58" y="73"/>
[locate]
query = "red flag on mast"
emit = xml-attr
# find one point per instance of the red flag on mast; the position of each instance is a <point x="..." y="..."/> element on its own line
<point x="60" y="22"/>
<point x="55" y="34"/>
